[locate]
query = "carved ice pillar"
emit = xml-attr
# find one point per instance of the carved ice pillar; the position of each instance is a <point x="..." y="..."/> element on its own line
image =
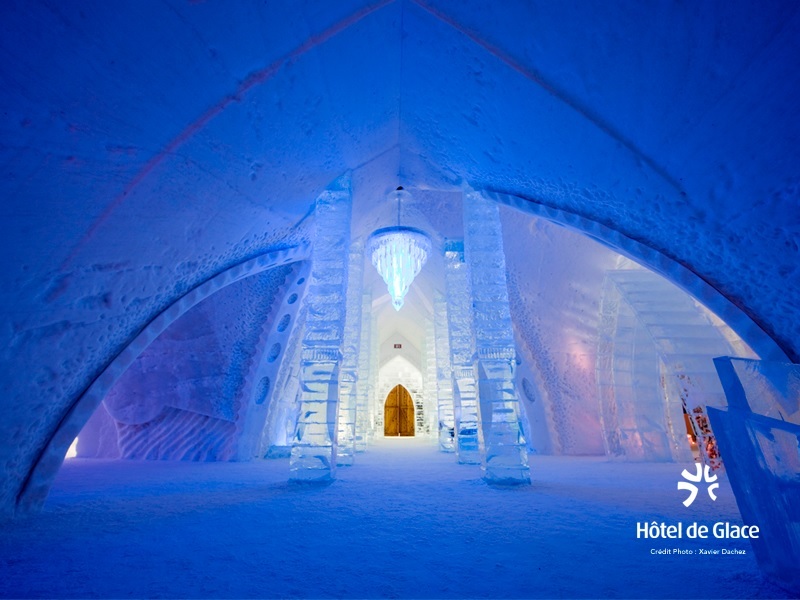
<point x="431" y="381"/>
<point x="444" y="376"/>
<point x="348" y="379"/>
<point x="505" y="459"/>
<point x="364" y="369"/>
<point x="465" y="389"/>
<point x="314" y="449"/>
<point x="375" y="404"/>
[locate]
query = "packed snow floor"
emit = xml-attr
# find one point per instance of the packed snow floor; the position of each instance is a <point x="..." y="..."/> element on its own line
<point x="404" y="522"/>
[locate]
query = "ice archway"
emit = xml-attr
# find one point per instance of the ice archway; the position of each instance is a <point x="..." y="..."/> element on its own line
<point x="150" y="148"/>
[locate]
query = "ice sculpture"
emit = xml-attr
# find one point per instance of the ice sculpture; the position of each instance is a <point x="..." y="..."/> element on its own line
<point x="459" y="319"/>
<point x="348" y="378"/>
<point x="758" y="437"/>
<point x="504" y="459"/>
<point x="314" y="449"/>
<point x="444" y="376"/>
<point x="364" y="368"/>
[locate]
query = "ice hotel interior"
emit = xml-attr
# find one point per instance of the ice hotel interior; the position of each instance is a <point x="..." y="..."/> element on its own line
<point x="400" y="299"/>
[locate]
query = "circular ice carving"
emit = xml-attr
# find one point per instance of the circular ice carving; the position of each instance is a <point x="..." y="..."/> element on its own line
<point x="292" y="299"/>
<point x="263" y="390"/>
<point x="283" y="323"/>
<point x="274" y="352"/>
<point x="527" y="389"/>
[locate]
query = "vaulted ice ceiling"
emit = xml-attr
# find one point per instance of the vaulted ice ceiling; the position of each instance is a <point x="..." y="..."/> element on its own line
<point x="148" y="146"/>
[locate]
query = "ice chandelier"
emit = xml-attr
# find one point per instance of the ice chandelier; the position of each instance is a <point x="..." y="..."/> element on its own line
<point x="398" y="254"/>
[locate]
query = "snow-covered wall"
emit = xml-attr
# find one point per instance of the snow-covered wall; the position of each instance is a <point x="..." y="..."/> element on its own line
<point x="555" y="283"/>
<point x="146" y="147"/>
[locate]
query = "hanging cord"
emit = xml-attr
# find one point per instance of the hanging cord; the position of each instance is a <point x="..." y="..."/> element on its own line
<point x="399" y="200"/>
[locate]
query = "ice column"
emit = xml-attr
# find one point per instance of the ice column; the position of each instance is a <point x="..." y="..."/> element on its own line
<point x="348" y="379"/>
<point x="444" y="376"/>
<point x="504" y="460"/>
<point x="375" y="404"/>
<point x="364" y="365"/>
<point x="465" y="389"/>
<point x="314" y="449"/>
<point x="431" y="400"/>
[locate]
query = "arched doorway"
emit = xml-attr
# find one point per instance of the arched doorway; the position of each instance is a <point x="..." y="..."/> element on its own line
<point x="398" y="413"/>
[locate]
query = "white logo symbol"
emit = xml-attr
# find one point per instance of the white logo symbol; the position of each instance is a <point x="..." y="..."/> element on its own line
<point x="701" y="475"/>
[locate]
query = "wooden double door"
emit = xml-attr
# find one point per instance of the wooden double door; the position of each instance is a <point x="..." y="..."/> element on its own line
<point x="398" y="413"/>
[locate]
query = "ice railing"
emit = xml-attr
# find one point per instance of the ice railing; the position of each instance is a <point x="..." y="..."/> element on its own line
<point x="759" y="439"/>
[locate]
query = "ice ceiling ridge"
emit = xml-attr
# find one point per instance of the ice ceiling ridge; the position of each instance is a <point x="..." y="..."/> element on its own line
<point x="266" y="73"/>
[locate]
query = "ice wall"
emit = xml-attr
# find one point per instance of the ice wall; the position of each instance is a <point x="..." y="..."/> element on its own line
<point x="555" y="280"/>
<point x="536" y="421"/>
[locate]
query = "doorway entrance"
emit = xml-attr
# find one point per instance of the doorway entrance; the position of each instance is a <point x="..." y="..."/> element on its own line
<point x="398" y="413"/>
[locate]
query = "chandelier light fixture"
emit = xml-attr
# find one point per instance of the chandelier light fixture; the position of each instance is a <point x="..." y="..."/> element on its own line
<point x="398" y="254"/>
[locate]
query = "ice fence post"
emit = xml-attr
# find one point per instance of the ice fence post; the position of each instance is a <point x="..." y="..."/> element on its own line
<point x="759" y="436"/>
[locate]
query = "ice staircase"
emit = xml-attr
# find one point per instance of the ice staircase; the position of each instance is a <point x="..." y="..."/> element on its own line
<point x="655" y="360"/>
